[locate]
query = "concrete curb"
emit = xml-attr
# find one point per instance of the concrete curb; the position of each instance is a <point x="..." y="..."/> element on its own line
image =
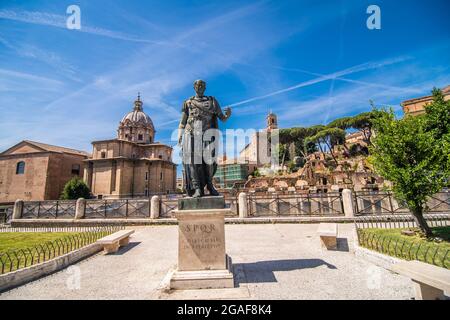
<point x="19" y="277"/>
<point x="168" y="221"/>
<point x="375" y="257"/>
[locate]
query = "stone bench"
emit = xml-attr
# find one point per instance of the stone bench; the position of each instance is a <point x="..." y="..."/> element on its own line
<point x="328" y="235"/>
<point x="430" y="281"/>
<point x="118" y="239"/>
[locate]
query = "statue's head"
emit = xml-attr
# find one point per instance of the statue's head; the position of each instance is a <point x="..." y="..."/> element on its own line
<point x="199" y="87"/>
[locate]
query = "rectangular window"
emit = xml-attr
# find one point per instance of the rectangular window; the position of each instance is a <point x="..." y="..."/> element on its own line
<point x="20" y="167"/>
<point x="161" y="176"/>
<point x="76" y="169"/>
<point x="103" y="155"/>
<point x="146" y="176"/>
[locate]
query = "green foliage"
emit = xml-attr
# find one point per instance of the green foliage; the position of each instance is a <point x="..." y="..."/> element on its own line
<point x="394" y="243"/>
<point x="283" y="154"/>
<point x="360" y="121"/>
<point x="75" y="188"/>
<point x="413" y="153"/>
<point x="331" y="136"/>
<point x="256" y="173"/>
<point x="292" y="166"/>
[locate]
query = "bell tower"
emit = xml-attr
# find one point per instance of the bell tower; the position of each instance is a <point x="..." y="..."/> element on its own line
<point x="272" y="122"/>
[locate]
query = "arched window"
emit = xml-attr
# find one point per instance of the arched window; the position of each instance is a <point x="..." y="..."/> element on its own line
<point x="20" y="168"/>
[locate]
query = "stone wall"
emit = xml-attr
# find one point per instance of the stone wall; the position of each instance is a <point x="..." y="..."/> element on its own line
<point x="28" y="186"/>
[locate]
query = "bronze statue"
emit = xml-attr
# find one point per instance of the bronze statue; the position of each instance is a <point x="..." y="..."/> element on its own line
<point x="199" y="115"/>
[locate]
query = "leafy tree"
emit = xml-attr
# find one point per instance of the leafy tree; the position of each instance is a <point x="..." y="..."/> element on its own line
<point x="330" y="137"/>
<point x="362" y="122"/>
<point x="283" y="154"/>
<point x="75" y="188"/>
<point x="297" y="136"/>
<point x="414" y="154"/>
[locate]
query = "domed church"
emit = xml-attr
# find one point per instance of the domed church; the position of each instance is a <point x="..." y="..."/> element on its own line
<point x="133" y="164"/>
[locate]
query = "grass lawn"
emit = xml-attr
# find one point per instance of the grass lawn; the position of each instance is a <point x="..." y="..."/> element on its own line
<point x="21" y="240"/>
<point x="22" y="249"/>
<point x="415" y="247"/>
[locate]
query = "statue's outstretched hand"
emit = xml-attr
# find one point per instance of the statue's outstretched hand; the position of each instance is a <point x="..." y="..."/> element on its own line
<point x="227" y="112"/>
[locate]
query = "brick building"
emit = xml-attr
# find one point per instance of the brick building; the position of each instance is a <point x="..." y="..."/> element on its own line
<point x="33" y="170"/>
<point x="416" y="106"/>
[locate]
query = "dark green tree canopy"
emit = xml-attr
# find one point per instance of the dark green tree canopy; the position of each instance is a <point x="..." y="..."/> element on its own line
<point x="75" y="188"/>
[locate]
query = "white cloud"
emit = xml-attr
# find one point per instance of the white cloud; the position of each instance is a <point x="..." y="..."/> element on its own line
<point x="59" y="21"/>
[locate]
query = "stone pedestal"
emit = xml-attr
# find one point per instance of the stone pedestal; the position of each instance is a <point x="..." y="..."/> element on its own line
<point x="202" y="261"/>
<point x="210" y="202"/>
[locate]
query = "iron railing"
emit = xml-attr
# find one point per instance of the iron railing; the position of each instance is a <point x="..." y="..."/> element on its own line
<point x="167" y="207"/>
<point x="55" y="209"/>
<point x="403" y="247"/>
<point x="271" y="204"/>
<point x="384" y="202"/>
<point x="322" y="204"/>
<point x="6" y="214"/>
<point x="13" y="260"/>
<point x="400" y="221"/>
<point x="126" y="208"/>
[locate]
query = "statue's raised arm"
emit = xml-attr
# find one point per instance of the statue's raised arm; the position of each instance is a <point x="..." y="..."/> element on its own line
<point x="220" y="114"/>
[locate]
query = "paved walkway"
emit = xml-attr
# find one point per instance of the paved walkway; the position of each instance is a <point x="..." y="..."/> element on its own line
<point x="272" y="261"/>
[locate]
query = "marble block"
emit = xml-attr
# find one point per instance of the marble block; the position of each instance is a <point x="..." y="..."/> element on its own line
<point x="202" y="261"/>
<point x="201" y="239"/>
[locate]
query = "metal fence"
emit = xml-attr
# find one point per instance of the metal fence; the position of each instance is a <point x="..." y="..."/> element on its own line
<point x="6" y="214"/>
<point x="126" y="208"/>
<point x="12" y="260"/>
<point x="401" y="221"/>
<point x="384" y="202"/>
<point x="269" y="204"/>
<point x="54" y="209"/>
<point x="403" y="247"/>
<point x="321" y="204"/>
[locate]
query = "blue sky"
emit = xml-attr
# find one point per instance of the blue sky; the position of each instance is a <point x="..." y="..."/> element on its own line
<point x="307" y="61"/>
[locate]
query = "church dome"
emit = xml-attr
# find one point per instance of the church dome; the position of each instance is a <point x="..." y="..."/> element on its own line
<point x="137" y="116"/>
<point x="136" y="125"/>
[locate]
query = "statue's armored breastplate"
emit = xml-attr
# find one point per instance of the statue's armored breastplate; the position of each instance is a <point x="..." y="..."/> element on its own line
<point x="200" y="110"/>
